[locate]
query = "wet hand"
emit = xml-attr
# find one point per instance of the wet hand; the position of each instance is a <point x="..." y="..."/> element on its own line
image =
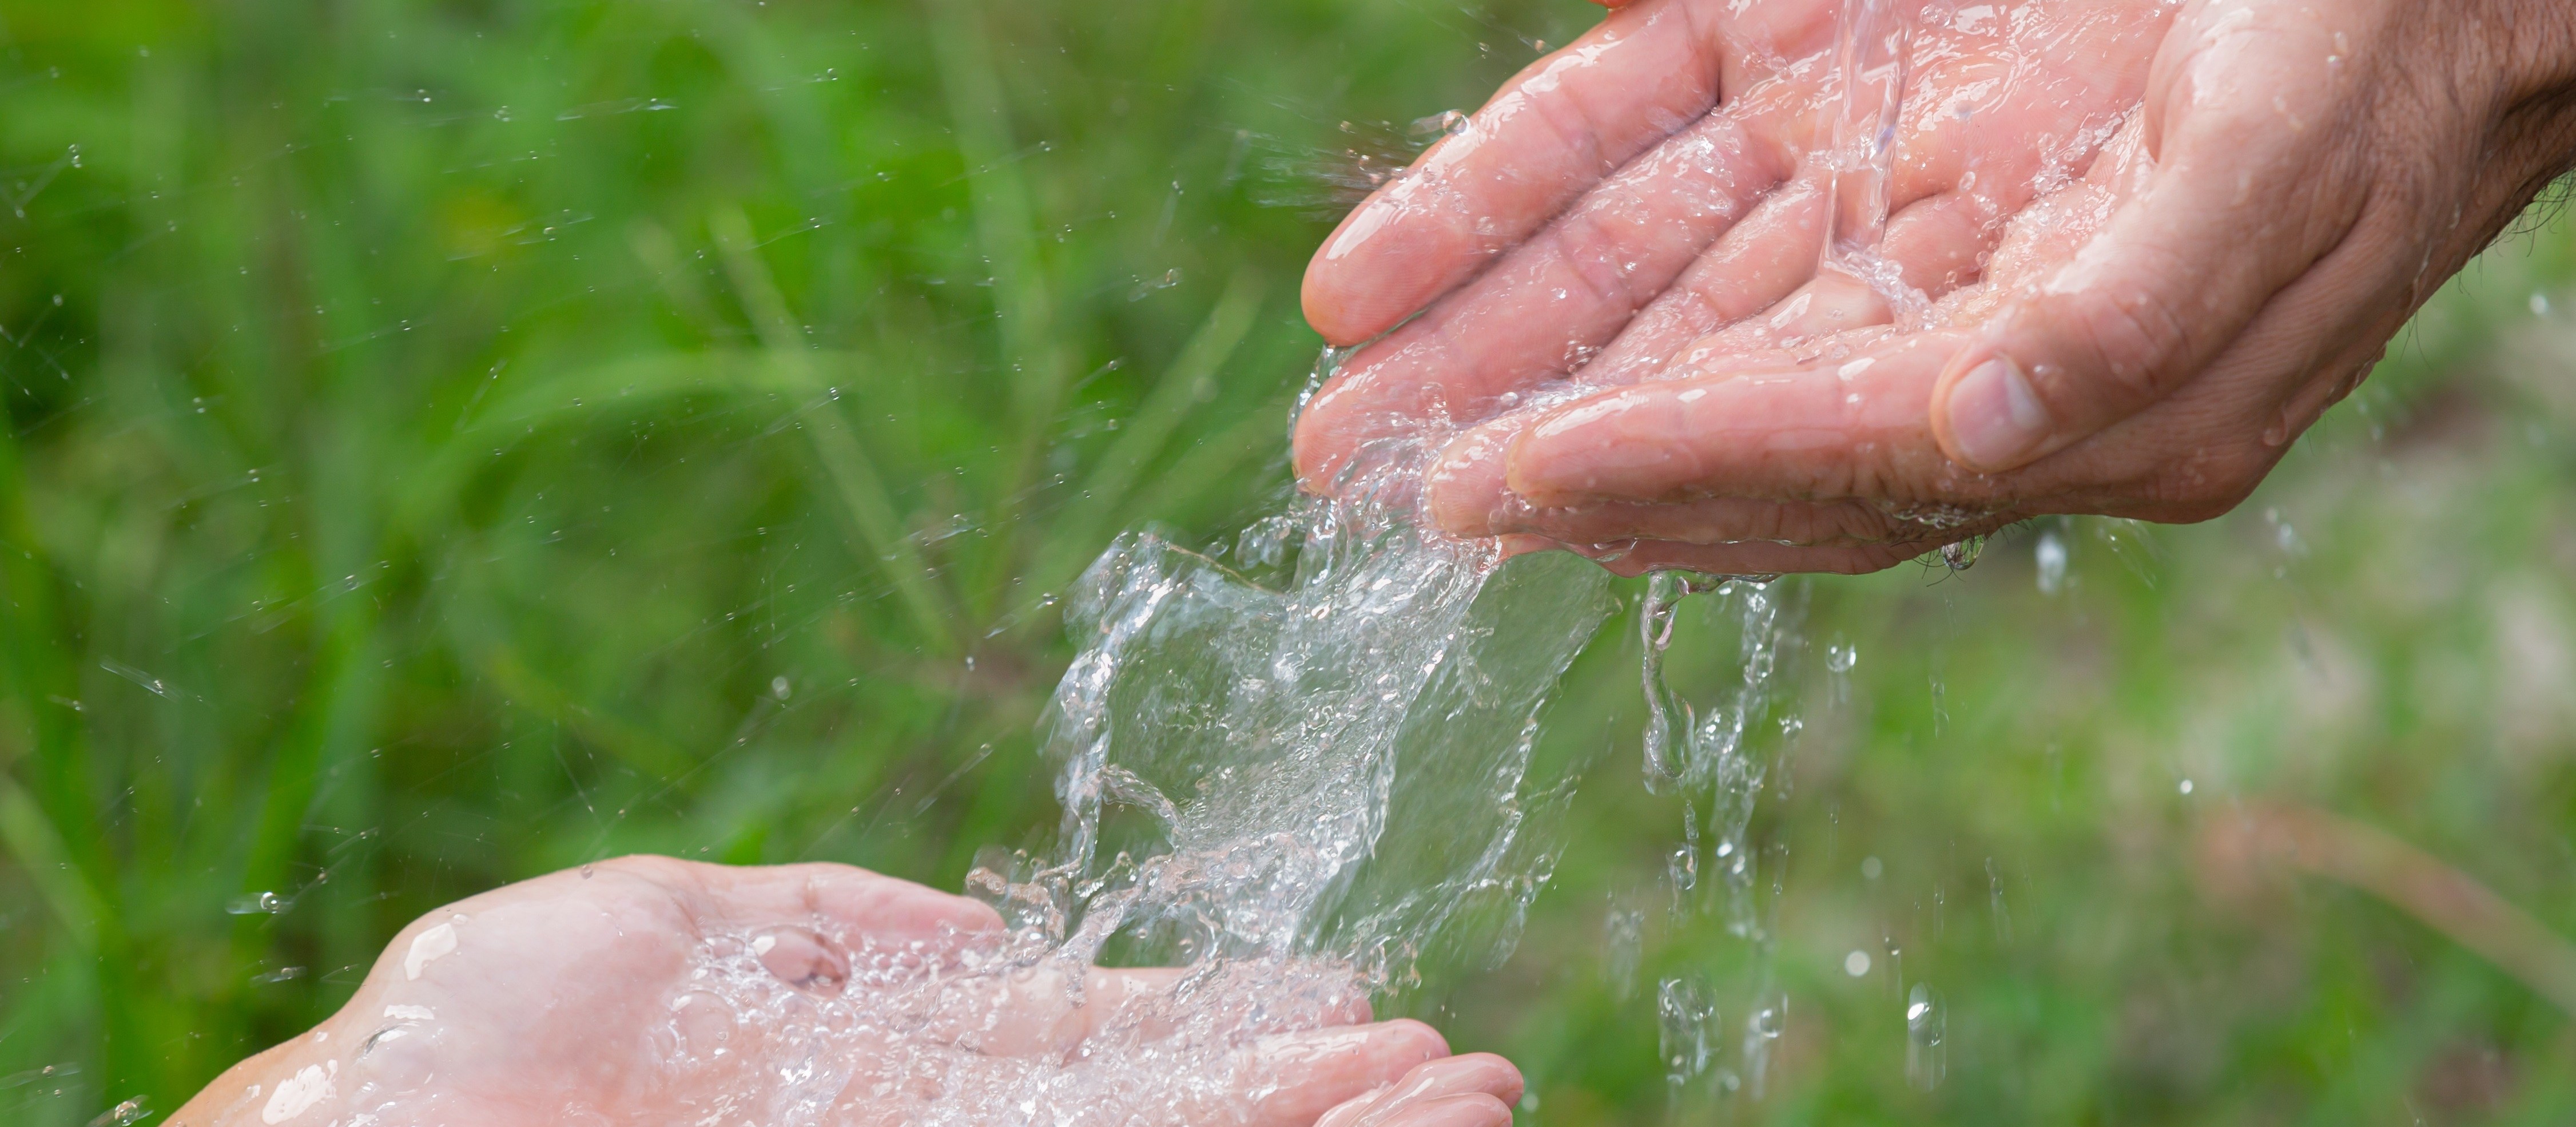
<point x="586" y="997"/>
<point x="2151" y="243"/>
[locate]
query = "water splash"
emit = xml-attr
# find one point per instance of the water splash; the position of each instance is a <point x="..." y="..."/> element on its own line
<point x="1291" y="780"/>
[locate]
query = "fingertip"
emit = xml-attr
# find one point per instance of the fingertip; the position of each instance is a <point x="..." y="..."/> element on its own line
<point x="1985" y="414"/>
<point x="883" y="905"/>
<point x="1330" y="308"/>
<point x="1626" y="443"/>
<point x="1318" y="298"/>
<point x="1503" y="1078"/>
<point x="1465" y="488"/>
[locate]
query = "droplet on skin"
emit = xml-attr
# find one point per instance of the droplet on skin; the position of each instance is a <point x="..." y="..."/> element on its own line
<point x="298" y="1093"/>
<point x="428" y="947"/>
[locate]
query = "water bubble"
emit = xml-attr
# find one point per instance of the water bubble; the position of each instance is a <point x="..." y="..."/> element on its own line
<point x="1446" y="123"/>
<point x="1840" y="657"/>
<point x="257" y="903"/>
<point x="778" y="686"/>
<point x="123" y="1114"/>
<point x="1856" y="964"/>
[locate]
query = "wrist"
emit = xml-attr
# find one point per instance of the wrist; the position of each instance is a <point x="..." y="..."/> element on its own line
<point x="2529" y="47"/>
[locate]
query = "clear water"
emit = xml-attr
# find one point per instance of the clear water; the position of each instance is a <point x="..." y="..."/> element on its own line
<point x="1292" y="767"/>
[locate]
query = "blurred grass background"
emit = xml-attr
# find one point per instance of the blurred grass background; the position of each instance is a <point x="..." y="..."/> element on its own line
<point x="447" y="442"/>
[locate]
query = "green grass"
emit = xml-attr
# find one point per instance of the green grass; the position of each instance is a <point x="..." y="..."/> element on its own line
<point x="449" y="442"/>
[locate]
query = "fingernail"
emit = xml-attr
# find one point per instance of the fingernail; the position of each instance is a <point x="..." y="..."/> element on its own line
<point x="1995" y="418"/>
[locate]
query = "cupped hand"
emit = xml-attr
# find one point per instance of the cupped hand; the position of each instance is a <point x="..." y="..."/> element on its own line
<point x="2137" y="246"/>
<point x="652" y="991"/>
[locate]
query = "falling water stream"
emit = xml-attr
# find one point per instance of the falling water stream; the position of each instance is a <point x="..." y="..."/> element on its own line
<point x="1292" y="767"/>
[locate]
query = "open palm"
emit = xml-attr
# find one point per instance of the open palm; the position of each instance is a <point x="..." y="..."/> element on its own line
<point x="650" y="991"/>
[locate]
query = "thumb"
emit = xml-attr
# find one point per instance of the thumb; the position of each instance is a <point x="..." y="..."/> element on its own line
<point x="2173" y="277"/>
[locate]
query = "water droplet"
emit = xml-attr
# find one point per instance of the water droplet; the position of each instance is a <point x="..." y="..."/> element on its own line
<point x="778" y="687"/>
<point x="1926" y="1030"/>
<point x="124" y="1114"/>
<point x="257" y="903"/>
<point x="1856" y="964"/>
<point x="2052" y="562"/>
<point x="1623" y="943"/>
<point x="1871" y="868"/>
<point x="1963" y="555"/>
<point x="2184" y="786"/>
<point x="1688" y="1017"/>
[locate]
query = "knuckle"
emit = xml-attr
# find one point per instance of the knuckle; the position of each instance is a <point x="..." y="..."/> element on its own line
<point x="2130" y="338"/>
<point x="1590" y="249"/>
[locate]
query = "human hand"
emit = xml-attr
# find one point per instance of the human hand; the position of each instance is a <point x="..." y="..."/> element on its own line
<point x="2182" y="230"/>
<point x="652" y="991"/>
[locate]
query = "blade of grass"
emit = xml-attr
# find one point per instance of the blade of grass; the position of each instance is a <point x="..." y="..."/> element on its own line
<point x="2417" y="883"/>
<point x="1032" y="348"/>
<point x="41" y="854"/>
<point x="641" y="749"/>
<point x="864" y="497"/>
<point x="1213" y="463"/>
<point x="36" y="668"/>
<point x="1084" y="526"/>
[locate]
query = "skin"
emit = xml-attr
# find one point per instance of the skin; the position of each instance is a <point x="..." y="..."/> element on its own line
<point x="2143" y="245"/>
<point x="551" y="1001"/>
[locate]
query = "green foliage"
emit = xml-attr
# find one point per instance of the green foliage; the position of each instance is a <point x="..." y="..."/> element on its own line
<point x="447" y="442"/>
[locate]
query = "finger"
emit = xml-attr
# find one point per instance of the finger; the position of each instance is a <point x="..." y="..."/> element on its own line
<point x="1554" y="301"/>
<point x="1301" y="1076"/>
<point x="1469" y="496"/>
<point x="1753" y="559"/>
<point x="1758" y="262"/>
<point x="1646" y="72"/>
<point x="1473" y="1074"/>
<point x="858" y="902"/>
<point x="1132" y="998"/>
<point x="1833" y="429"/>
<point x="2177" y="272"/>
<point x="1474" y="1110"/>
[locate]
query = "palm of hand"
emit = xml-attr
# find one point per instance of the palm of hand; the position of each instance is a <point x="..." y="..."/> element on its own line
<point x="651" y="991"/>
<point x="2114" y="186"/>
